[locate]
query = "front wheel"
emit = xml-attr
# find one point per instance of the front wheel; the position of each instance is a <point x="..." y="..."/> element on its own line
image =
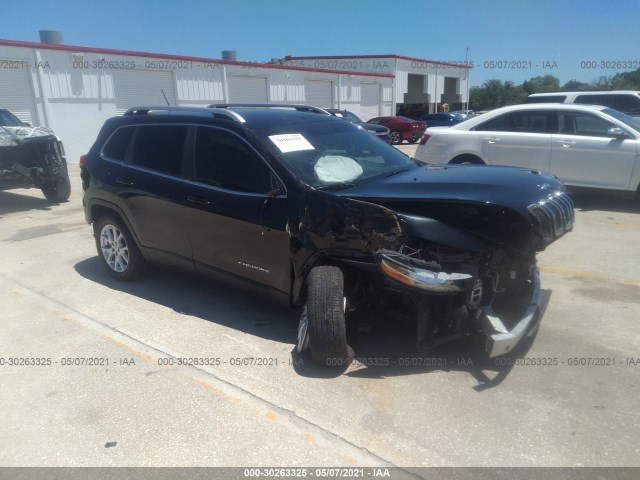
<point x="395" y="138"/>
<point x="414" y="139"/>
<point x="117" y="250"/>
<point x="58" y="190"/>
<point x="322" y="323"/>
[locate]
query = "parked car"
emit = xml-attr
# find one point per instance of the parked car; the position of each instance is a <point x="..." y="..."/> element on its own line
<point x="626" y="101"/>
<point x="32" y="157"/>
<point x="378" y="130"/>
<point x="441" y="119"/>
<point x="586" y="146"/>
<point x="401" y="128"/>
<point x="323" y="215"/>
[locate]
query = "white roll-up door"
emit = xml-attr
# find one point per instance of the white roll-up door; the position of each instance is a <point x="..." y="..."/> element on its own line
<point x="245" y="89"/>
<point x="136" y="88"/>
<point x="370" y="100"/>
<point x="16" y="92"/>
<point x="318" y="93"/>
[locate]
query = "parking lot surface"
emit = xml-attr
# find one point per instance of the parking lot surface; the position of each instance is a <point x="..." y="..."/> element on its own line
<point x="174" y="370"/>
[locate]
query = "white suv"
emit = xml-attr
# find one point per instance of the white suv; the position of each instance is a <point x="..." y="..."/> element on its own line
<point x="627" y="101"/>
<point x="587" y="146"/>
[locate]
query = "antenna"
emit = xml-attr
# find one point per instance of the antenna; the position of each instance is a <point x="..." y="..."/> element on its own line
<point x="165" y="97"/>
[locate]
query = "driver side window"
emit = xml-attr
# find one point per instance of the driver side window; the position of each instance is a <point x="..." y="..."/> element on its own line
<point x="224" y="160"/>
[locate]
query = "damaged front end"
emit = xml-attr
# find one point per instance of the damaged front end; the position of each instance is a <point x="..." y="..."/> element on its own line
<point x="33" y="157"/>
<point x="475" y="274"/>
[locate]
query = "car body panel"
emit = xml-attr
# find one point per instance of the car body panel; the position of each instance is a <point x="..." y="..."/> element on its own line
<point x="454" y="230"/>
<point x="587" y="159"/>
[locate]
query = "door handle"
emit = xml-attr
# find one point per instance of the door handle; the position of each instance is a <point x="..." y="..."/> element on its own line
<point x="492" y="140"/>
<point x="566" y="143"/>
<point x="124" y="181"/>
<point x="199" y="200"/>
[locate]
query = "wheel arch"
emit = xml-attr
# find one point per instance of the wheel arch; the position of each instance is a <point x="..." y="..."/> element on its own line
<point x="98" y="208"/>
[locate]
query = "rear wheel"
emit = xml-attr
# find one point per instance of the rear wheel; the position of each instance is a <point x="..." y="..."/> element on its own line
<point x="322" y="323"/>
<point x="117" y="250"/>
<point x="395" y="137"/>
<point x="58" y="189"/>
<point x="414" y="139"/>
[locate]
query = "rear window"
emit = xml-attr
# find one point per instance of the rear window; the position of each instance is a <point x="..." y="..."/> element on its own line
<point x="595" y="99"/>
<point x="160" y="147"/>
<point x="116" y="147"/>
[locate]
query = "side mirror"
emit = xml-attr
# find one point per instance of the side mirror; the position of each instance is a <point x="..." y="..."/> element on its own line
<point x="617" y="132"/>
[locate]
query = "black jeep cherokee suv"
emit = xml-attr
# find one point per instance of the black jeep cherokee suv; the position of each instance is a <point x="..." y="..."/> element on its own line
<point x="319" y="211"/>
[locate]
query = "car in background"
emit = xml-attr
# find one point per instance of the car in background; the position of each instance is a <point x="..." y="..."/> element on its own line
<point x="585" y="146"/>
<point x="378" y="130"/>
<point x="626" y="101"/>
<point x="441" y="119"/>
<point x="32" y="157"/>
<point x="401" y="128"/>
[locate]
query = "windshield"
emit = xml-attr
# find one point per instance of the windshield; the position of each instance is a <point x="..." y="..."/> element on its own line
<point x="333" y="153"/>
<point x="7" y="119"/>
<point x="348" y="116"/>
<point x="624" y="118"/>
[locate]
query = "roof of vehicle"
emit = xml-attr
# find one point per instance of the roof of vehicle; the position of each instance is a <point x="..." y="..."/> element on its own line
<point x="255" y="116"/>
<point x="472" y="122"/>
<point x="590" y="92"/>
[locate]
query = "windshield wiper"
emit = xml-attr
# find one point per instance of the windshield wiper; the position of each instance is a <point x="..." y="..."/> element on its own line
<point x="336" y="186"/>
<point x="395" y="172"/>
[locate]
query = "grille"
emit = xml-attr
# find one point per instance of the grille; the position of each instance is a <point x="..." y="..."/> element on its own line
<point x="554" y="214"/>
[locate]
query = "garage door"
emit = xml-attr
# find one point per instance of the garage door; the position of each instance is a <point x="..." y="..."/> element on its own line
<point x="370" y="101"/>
<point x="142" y="87"/>
<point x="318" y="93"/>
<point x="244" y="89"/>
<point x="16" y="94"/>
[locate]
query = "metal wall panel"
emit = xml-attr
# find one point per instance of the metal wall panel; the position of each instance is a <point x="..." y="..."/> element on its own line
<point x="245" y="89"/>
<point x="370" y="101"/>
<point x="318" y="93"/>
<point x="16" y="93"/>
<point x="143" y="87"/>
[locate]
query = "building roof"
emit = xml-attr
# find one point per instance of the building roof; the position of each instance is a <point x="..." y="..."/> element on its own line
<point x="80" y="49"/>
<point x="400" y="57"/>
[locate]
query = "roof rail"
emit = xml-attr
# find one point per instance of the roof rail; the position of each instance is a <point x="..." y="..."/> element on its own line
<point x="217" y="113"/>
<point x="300" y="108"/>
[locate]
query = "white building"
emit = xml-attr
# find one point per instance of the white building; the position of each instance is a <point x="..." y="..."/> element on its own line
<point x="419" y="84"/>
<point x="73" y="89"/>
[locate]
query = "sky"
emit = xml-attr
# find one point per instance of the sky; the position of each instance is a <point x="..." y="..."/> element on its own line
<point x="507" y="40"/>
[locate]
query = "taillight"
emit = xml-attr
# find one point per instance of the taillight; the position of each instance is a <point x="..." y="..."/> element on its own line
<point x="424" y="139"/>
<point x="83" y="159"/>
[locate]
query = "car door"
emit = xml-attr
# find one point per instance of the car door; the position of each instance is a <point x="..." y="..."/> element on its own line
<point x="585" y="154"/>
<point x="520" y="138"/>
<point x="150" y="188"/>
<point x="240" y="210"/>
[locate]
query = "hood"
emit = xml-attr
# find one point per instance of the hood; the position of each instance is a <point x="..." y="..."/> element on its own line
<point x="511" y="187"/>
<point x="490" y="203"/>
<point x="374" y="128"/>
<point x="14" y="136"/>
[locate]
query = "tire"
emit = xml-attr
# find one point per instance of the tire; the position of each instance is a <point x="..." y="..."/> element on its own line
<point x="395" y="137"/>
<point x="414" y="139"/>
<point x="117" y="249"/>
<point x="467" y="160"/>
<point x="325" y="314"/>
<point x="59" y="189"/>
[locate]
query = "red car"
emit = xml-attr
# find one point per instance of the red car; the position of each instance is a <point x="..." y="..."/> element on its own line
<point x="401" y="128"/>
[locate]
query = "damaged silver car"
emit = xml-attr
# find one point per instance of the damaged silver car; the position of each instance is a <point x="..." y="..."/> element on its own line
<point x="32" y="157"/>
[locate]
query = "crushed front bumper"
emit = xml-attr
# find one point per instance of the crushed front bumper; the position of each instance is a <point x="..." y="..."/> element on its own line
<point x="500" y="340"/>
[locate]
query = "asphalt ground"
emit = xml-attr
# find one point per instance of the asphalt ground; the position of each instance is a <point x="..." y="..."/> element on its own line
<point x="110" y="390"/>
